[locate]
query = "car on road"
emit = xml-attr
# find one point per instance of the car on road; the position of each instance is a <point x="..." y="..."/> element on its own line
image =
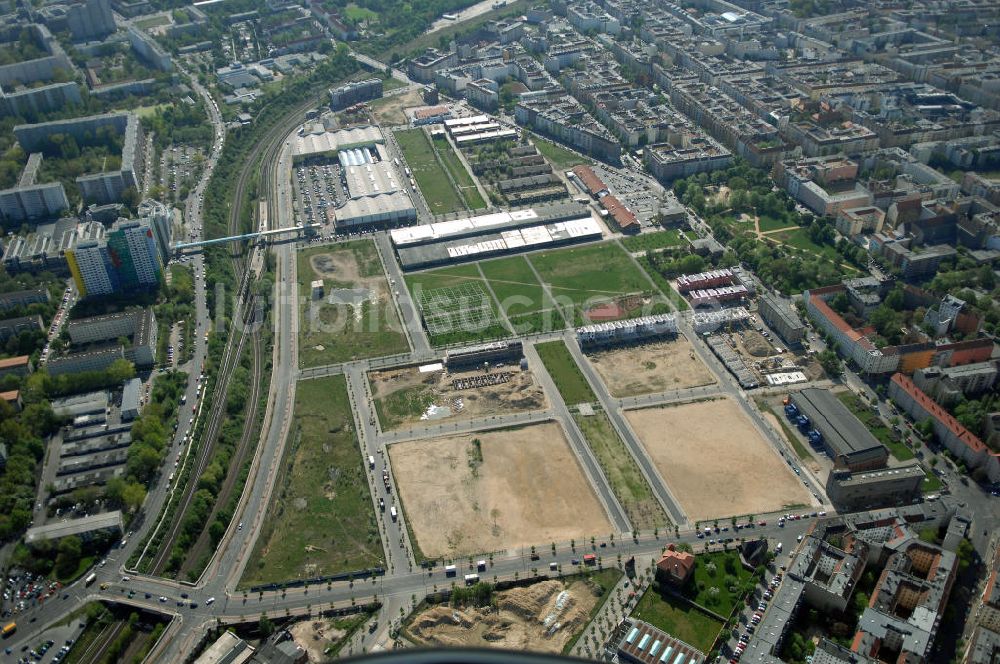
<point x="163" y="599"/>
<point x="209" y="600"/>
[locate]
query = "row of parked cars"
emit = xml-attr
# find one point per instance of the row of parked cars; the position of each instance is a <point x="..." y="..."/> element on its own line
<point x="755" y="619"/>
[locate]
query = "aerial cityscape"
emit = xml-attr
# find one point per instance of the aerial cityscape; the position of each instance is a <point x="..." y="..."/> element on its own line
<point x="601" y="330"/>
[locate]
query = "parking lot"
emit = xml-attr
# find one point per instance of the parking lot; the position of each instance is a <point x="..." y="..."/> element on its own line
<point x="178" y="167"/>
<point x="631" y="189"/>
<point x="319" y="189"/>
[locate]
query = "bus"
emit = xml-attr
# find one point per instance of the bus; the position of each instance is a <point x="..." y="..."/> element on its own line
<point x="90" y="579"/>
<point x="9" y="629"/>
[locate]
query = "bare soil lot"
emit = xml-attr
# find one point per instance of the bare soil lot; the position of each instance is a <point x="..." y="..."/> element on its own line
<point x="517" y="487"/>
<point x="655" y="367"/>
<point x="390" y="110"/>
<point x="404" y="396"/>
<point x="714" y="460"/>
<point x="541" y="617"/>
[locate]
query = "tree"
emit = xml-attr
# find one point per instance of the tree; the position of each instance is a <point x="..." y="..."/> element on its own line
<point x="133" y="496"/>
<point x="830" y="363"/>
<point x="68" y="559"/>
<point x="265" y="625"/>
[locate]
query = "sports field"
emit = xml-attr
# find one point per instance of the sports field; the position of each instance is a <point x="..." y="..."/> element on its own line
<point x="495" y="490"/>
<point x="320" y="519"/>
<point x="355" y="318"/>
<point x="714" y="444"/>
<point x="429" y="175"/>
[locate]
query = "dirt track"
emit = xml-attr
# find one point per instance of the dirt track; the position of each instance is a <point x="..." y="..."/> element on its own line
<point x="528" y="489"/>
<point x="655" y="367"/>
<point x="518" y="622"/>
<point x="714" y="461"/>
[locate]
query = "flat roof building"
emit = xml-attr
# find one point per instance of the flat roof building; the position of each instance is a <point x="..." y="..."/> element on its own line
<point x="899" y="485"/>
<point x="84" y="528"/>
<point x="782" y="318"/>
<point x="845" y="438"/>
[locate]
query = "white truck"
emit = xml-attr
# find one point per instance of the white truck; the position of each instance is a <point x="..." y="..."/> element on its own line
<point x="392" y="512"/>
<point x="471" y="579"/>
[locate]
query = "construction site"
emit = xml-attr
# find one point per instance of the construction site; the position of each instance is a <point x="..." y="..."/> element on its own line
<point x="410" y="395"/>
<point x="494" y="491"/>
<point x="542" y="617"/>
<point x="713" y="443"/>
<point x="646" y="368"/>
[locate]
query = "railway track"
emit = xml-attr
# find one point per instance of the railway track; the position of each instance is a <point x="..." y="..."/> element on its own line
<point x="265" y="153"/>
<point x="97" y="647"/>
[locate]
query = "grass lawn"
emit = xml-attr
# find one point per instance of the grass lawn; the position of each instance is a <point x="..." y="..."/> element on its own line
<point x="150" y="111"/>
<point x="441" y="197"/>
<point x="457" y="295"/>
<point x="626" y="480"/>
<point x="799" y="239"/>
<point x="565" y="373"/>
<point x="931" y="482"/>
<point x="515" y="285"/>
<point x="356" y="13"/>
<point x="392" y="83"/>
<point x="320" y="518"/>
<point x="897" y="448"/>
<point x="331" y="333"/>
<point x="403" y="405"/>
<point x="459" y="174"/>
<point x="560" y="157"/>
<point x="597" y="272"/>
<point x="152" y="22"/>
<point x="769" y="223"/>
<point x="676" y="618"/>
<point x="658" y="240"/>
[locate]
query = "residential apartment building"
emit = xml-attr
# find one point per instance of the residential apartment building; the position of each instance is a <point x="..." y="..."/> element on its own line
<point x="960" y="441"/>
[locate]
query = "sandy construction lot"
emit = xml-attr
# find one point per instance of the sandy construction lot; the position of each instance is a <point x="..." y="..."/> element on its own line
<point x="389" y="110"/>
<point x="404" y="396"/>
<point x="714" y="461"/>
<point x="520" y="621"/>
<point x="524" y="488"/>
<point x="655" y="367"/>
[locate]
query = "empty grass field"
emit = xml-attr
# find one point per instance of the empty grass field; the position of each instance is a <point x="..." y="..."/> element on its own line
<point x="335" y="330"/>
<point x="799" y="239"/>
<point x="652" y="241"/>
<point x="456" y="305"/>
<point x="560" y="157"/>
<point x="459" y="173"/>
<point x="429" y="175"/>
<point x="320" y="519"/>
<point x="520" y="296"/>
<point x="622" y="472"/>
<point x="677" y="618"/>
<point x="565" y="373"/>
<point x="579" y="277"/>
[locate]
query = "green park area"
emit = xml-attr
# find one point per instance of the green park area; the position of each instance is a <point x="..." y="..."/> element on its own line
<point x="565" y="373"/>
<point x="428" y="172"/>
<point x="355" y="317"/>
<point x="627" y="481"/>
<point x="320" y="519"/>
